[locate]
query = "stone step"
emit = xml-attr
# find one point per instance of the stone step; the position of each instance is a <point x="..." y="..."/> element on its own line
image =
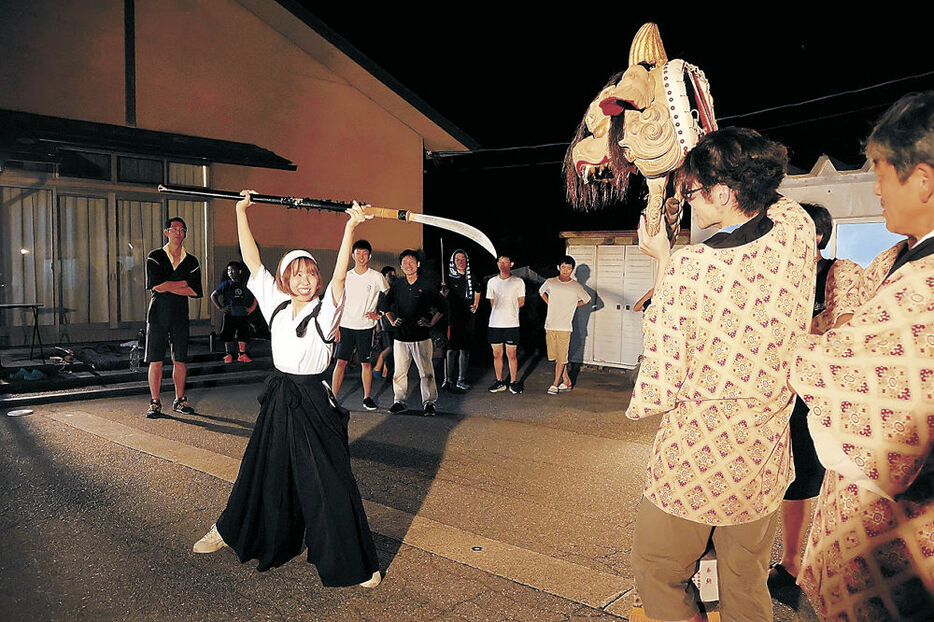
<point x="139" y="386"/>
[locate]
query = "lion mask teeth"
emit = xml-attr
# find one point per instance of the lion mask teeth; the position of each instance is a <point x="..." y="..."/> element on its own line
<point x="596" y="172"/>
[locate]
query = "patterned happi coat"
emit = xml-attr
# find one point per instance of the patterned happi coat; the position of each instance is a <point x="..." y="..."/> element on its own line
<point x="717" y="351"/>
<point x="870" y="387"/>
<point x="842" y="294"/>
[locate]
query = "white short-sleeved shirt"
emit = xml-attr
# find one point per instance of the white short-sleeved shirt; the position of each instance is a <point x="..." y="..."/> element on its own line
<point x="563" y="297"/>
<point x="362" y="294"/>
<point x="505" y="294"/>
<point x="292" y="354"/>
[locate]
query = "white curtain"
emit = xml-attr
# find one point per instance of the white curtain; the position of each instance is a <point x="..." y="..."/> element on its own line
<point x="83" y="230"/>
<point x="26" y="254"/>
<point x="139" y="230"/>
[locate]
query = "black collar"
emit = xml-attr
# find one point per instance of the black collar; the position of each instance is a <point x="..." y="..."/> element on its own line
<point x="751" y="231"/>
<point x="907" y="255"/>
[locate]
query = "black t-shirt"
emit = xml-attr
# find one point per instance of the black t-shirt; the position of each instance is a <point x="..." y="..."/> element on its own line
<point x="412" y="302"/>
<point x="459" y="302"/>
<point x="236" y="296"/>
<point x="159" y="270"/>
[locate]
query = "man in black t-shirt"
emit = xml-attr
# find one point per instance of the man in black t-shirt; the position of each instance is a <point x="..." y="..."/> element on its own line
<point x="173" y="275"/>
<point x="412" y="305"/>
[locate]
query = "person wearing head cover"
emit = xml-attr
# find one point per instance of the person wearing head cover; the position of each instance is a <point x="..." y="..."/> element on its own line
<point x="463" y="297"/>
<point x="869" y="384"/>
<point x="717" y="351"/>
<point x="295" y="487"/>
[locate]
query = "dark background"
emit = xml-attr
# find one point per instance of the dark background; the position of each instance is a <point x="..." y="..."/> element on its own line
<point x="517" y="81"/>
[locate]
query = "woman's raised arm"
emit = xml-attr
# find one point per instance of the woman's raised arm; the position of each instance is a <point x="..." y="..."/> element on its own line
<point x="248" y="246"/>
<point x="343" y="255"/>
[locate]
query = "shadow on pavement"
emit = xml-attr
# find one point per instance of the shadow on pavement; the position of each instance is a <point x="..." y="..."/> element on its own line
<point x="238" y="430"/>
<point x="396" y="461"/>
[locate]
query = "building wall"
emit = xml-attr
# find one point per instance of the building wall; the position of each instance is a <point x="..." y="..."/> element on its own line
<point x="212" y="68"/>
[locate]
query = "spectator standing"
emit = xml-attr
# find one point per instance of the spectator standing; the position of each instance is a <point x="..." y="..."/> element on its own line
<point x="358" y="323"/>
<point x="413" y="306"/>
<point x="173" y="275"/>
<point x="236" y="302"/>
<point x="384" y="330"/>
<point x="506" y="294"/>
<point x="463" y="298"/>
<point x="563" y="295"/>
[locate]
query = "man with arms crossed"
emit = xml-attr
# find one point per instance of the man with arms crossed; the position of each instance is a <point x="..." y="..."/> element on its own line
<point x="363" y="287"/>
<point x="174" y="276"/>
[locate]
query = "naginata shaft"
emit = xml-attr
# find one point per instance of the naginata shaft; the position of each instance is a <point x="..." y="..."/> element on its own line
<point x="328" y="205"/>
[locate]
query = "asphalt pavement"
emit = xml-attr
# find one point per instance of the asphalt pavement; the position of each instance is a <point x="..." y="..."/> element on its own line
<point x="502" y="507"/>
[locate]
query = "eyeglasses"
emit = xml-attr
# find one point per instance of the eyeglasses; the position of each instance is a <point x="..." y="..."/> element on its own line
<point x="177" y="230"/>
<point x="689" y="194"/>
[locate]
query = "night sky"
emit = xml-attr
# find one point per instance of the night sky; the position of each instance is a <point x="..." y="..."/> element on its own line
<point x="509" y="78"/>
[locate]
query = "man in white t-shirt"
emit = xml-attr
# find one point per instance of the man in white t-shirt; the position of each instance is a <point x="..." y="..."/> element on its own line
<point x="362" y="287"/>
<point x="563" y="295"/>
<point x="506" y="294"/>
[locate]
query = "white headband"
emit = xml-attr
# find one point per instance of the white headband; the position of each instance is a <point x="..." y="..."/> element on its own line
<point x="292" y="256"/>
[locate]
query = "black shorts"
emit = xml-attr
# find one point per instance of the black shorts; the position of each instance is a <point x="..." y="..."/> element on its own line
<point x="170" y="325"/>
<point x="809" y="472"/>
<point x="353" y="339"/>
<point x="234" y="328"/>
<point x="509" y="336"/>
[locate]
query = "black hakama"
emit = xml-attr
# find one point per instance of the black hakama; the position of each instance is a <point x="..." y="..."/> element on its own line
<point x="295" y="485"/>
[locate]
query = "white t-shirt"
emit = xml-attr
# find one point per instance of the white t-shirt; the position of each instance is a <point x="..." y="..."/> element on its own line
<point x="362" y="294"/>
<point x="505" y="294"/>
<point x="290" y="353"/>
<point x="563" y="297"/>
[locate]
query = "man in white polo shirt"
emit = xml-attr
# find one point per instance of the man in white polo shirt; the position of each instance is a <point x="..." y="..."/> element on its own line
<point x="362" y="287"/>
<point x="506" y="294"/>
<point x="563" y="295"/>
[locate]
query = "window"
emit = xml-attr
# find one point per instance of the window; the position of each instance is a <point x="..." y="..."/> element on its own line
<point x="85" y="165"/>
<point x="861" y="241"/>
<point x="26" y="253"/>
<point x="139" y="170"/>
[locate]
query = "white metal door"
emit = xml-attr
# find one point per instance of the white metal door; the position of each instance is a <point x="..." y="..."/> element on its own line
<point x="608" y="322"/>
<point x="639" y="277"/>
<point x="581" y="348"/>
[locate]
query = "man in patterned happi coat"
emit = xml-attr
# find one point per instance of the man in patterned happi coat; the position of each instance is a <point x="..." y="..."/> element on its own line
<point x="870" y="387"/>
<point x="718" y="341"/>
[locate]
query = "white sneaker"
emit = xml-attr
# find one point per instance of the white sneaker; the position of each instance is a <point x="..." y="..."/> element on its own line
<point x="372" y="581"/>
<point x="210" y="543"/>
<point x="563" y="388"/>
